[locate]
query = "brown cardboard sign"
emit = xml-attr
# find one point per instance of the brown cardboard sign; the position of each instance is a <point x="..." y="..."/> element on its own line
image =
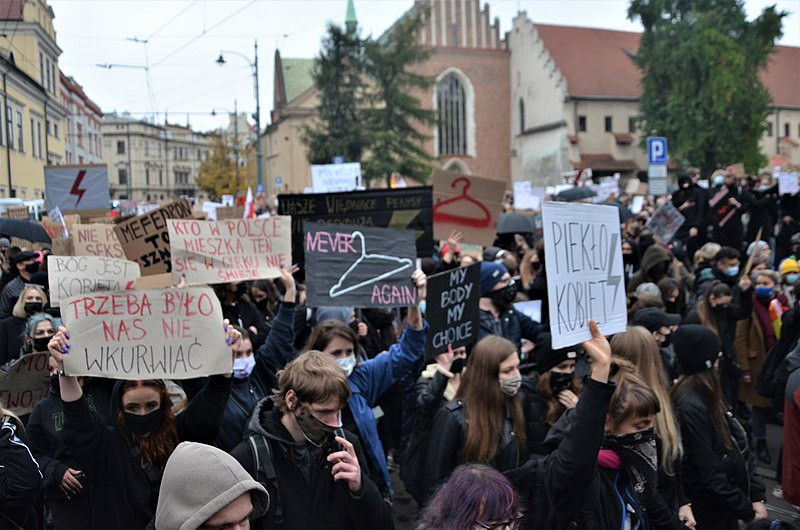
<point x="63" y="246"/>
<point x="145" y="238"/>
<point x="468" y="204"/>
<point x="229" y="212"/>
<point x="26" y="382"/>
<point x="96" y="240"/>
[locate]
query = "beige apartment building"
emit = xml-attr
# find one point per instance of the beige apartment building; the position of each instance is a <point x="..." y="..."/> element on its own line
<point x="83" y="135"/>
<point x="574" y="98"/>
<point x="151" y="163"/>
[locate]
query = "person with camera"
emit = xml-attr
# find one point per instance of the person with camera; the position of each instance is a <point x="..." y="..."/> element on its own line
<point x="313" y="470"/>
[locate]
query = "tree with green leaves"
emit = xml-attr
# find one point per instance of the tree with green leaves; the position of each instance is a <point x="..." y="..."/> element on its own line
<point x="338" y="75"/>
<point x="220" y="174"/>
<point x="701" y="87"/>
<point x="394" y="114"/>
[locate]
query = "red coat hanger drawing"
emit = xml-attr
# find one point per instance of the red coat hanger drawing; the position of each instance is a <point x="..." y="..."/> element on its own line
<point x="467" y="203"/>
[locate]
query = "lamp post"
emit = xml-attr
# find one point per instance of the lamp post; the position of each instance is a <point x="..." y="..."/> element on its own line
<point x="235" y="133"/>
<point x="254" y="65"/>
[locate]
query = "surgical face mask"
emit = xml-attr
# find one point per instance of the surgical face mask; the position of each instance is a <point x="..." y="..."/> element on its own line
<point x="763" y="188"/>
<point x="718" y="180"/>
<point x="764" y="292"/>
<point x="422" y="306"/>
<point x="31" y="308"/>
<point x="347" y="364"/>
<point x="559" y="381"/>
<point x="791" y="279"/>
<point x="510" y="387"/>
<point x="143" y="425"/>
<point x="243" y="366"/>
<point x="732" y="272"/>
<point x="40" y="343"/>
<point x="314" y="431"/>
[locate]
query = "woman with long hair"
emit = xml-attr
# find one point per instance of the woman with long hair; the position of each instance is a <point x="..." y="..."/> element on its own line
<point x="720" y="309"/>
<point x="485" y="423"/>
<point x="31" y="301"/>
<point x="124" y="463"/>
<point x="475" y="497"/>
<point x="718" y="470"/>
<point x="20" y="479"/>
<point x="534" y="277"/>
<point x="637" y="346"/>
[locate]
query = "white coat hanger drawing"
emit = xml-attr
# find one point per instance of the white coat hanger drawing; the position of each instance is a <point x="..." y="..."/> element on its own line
<point x="400" y="264"/>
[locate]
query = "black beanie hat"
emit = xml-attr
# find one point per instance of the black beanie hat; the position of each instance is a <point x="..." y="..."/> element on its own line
<point x="696" y="347"/>
<point x="547" y="357"/>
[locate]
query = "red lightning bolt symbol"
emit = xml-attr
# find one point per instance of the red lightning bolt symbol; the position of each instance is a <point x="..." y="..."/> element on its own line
<point x="76" y="189"/>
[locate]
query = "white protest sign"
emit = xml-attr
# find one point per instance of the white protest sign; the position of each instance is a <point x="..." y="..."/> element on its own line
<point x="531" y="309"/>
<point x="26" y="382"/>
<point x="637" y="204"/>
<point x="609" y="187"/>
<point x="584" y="270"/>
<point x="57" y="217"/>
<point x="329" y="178"/>
<point x="788" y="183"/>
<point x="210" y="209"/>
<point x="524" y="198"/>
<point x="156" y="334"/>
<point x="74" y="275"/>
<point x="77" y="187"/>
<point x="665" y="222"/>
<point x="229" y="250"/>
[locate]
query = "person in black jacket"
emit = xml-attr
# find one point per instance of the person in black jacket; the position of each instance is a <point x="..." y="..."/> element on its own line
<point x="719" y="473"/>
<point x="727" y="204"/>
<point x="65" y="486"/>
<point x="498" y="291"/>
<point x="254" y="376"/>
<point x="12" y="329"/>
<point x="20" y="478"/>
<point x="763" y="201"/>
<point x="314" y="471"/>
<point x="691" y="200"/>
<point x="124" y="464"/>
<point x="237" y="307"/>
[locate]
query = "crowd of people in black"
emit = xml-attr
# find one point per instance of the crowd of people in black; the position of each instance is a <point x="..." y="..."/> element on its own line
<point x="660" y="426"/>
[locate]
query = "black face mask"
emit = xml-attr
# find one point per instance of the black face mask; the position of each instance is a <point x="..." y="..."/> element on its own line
<point x="458" y="365"/>
<point x="55" y="385"/>
<point x="314" y="431"/>
<point x="262" y="305"/>
<point x="31" y="308"/>
<point x="559" y="381"/>
<point x="667" y="341"/>
<point x="640" y="458"/>
<point x="40" y="343"/>
<point x="141" y="426"/>
<point x="502" y="298"/>
<point x="536" y="265"/>
<point x="32" y="268"/>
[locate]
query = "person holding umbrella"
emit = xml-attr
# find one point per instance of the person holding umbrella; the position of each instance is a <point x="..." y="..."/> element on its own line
<point x="24" y="265"/>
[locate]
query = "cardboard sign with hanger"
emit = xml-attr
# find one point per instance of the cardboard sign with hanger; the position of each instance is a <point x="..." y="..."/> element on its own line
<point x="468" y="204"/>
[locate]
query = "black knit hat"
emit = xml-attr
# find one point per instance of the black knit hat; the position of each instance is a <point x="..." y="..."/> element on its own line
<point x="547" y="357"/>
<point x="696" y="347"/>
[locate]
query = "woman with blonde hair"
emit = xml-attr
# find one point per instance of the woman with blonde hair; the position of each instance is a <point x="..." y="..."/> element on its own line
<point x="31" y="301"/>
<point x="637" y="346"/>
<point x="20" y="479"/>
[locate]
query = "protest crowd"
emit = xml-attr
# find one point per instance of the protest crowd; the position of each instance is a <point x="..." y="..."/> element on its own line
<point x="610" y="364"/>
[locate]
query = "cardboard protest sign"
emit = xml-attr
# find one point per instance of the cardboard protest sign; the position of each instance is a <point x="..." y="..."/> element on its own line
<point x="63" y="246"/>
<point x="26" y="382"/>
<point x="358" y="266"/>
<point x="327" y="178"/>
<point x="408" y="208"/>
<point x="584" y="270"/>
<point x="74" y="275"/>
<point x="145" y="238"/>
<point x="229" y="212"/>
<point x="164" y="334"/>
<point x="77" y="187"/>
<point x="96" y="240"/>
<point x="665" y="222"/>
<point x="471" y="205"/>
<point x="788" y="183"/>
<point x="17" y="212"/>
<point x="451" y="308"/>
<point x="232" y="250"/>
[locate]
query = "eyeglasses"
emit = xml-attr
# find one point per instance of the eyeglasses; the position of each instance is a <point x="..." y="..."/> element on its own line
<point x="511" y="524"/>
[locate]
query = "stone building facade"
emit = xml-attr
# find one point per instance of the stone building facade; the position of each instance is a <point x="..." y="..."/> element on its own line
<point x="83" y="135"/>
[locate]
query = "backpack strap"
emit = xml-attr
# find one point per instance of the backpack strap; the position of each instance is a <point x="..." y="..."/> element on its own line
<point x="265" y="470"/>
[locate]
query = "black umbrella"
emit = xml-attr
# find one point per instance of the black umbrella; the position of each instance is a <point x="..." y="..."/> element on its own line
<point x="575" y="194"/>
<point x="30" y="230"/>
<point x="515" y="223"/>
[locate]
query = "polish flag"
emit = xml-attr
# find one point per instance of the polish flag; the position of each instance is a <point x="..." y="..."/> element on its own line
<point x="249" y="207"/>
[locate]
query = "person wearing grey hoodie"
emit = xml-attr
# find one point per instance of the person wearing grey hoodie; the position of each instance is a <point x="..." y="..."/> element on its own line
<point x="222" y="494"/>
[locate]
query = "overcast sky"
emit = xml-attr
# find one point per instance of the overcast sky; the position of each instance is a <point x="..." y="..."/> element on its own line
<point x="184" y="37"/>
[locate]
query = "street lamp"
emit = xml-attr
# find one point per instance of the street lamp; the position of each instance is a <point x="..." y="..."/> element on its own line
<point x="254" y="65"/>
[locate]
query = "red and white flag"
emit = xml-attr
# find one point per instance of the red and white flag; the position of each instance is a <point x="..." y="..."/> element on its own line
<point x="249" y="206"/>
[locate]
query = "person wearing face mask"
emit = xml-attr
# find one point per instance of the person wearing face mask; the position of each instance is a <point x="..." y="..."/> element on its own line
<point x="719" y="473"/>
<point x="23" y="265"/>
<point x="13" y="339"/>
<point x="661" y="326"/>
<point x="371" y="379"/>
<point x="762" y="199"/>
<point x="726" y="206"/>
<point x="255" y="372"/>
<point x="655" y="266"/>
<point x="690" y="199"/>
<point x="486" y="423"/>
<point x="124" y="464"/>
<point x="240" y="310"/>
<point x="312" y="468"/>
<point x="534" y="278"/>
<point x="630" y="258"/>
<point x="756" y="335"/>
<point x="790" y="279"/>
<point x="497" y="316"/>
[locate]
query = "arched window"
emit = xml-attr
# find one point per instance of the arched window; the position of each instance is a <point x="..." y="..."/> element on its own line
<point x="521" y="116"/>
<point x="452" y="116"/>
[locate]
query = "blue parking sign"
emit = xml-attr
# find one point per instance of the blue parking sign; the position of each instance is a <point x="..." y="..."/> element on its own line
<point x="656" y="150"/>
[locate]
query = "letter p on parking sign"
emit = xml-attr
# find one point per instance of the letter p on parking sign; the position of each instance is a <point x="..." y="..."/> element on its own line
<point x="656" y="150"/>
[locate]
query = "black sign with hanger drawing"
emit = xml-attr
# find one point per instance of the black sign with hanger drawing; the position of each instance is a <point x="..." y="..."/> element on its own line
<point x="358" y="266"/>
